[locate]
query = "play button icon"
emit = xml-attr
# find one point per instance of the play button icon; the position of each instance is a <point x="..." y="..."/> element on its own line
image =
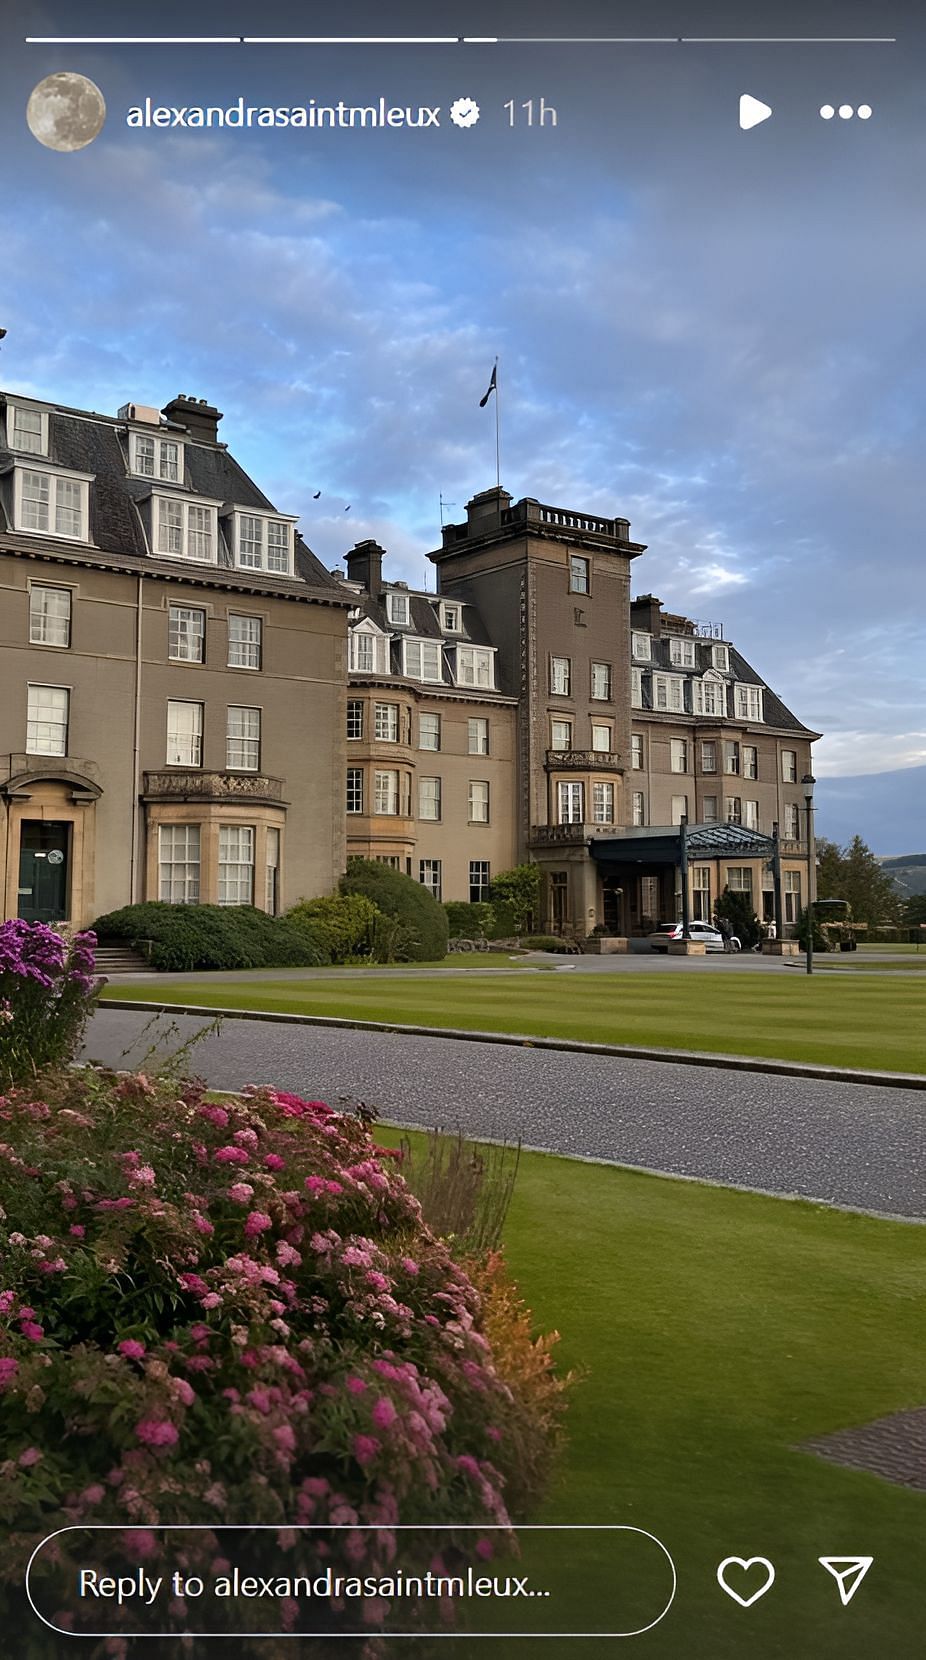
<point x="752" y="111"/>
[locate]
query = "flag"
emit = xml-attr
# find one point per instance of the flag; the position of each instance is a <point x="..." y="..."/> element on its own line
<point x="493" y="387"/>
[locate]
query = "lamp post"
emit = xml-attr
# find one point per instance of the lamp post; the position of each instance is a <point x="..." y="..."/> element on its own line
<point x="807" y="784"/>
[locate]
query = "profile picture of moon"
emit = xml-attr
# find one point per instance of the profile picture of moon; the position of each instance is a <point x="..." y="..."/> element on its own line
<point x="65" y="111"/>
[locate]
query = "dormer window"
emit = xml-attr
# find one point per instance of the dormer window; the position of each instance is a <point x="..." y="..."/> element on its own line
<point x="720" y="656"/>
<point x="748" y="702"/>
<point x="397" y="609"/>
<point x="153" y="457"/>
<point x="475" y="666"/>
<point x="641" y="647"/>
<point x="27" y="429"/>
<point x="367" y="651"/>
<point x="682" y="653"/>
<point x="710" y="696"/>
<point x="450" y="619"/>
<point x="262" y="543"/>
<point x="52" y="503"/>
<point x="422" y="660"/>
<point x="184" y="529"/>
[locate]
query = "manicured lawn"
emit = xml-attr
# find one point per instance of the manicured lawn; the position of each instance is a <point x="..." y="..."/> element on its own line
<point x="717" y="1330"/>
<point x="840" y="1020"/>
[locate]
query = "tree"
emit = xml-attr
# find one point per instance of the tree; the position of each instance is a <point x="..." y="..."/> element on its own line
<point x="518" y="892"/>
<point x="914" y="911"/>
<point x="853" y="873"/>
<point x="739" y="912"/>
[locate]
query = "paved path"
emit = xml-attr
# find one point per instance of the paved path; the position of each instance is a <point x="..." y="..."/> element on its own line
<point x="846" y="1144"/>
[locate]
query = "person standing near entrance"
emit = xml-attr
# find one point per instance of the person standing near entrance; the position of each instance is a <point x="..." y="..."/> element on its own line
<point x="726" y="933"/>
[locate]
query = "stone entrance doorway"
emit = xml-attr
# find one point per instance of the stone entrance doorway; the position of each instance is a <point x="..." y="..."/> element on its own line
<point x="43" y="870"/>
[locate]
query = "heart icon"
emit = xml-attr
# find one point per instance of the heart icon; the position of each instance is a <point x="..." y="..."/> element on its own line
<point x="740" y="1562"/>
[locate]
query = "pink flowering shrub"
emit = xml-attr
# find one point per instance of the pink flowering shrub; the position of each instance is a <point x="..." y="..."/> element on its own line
<point x="232" y="1313"/>
<point x="47" y="990"/>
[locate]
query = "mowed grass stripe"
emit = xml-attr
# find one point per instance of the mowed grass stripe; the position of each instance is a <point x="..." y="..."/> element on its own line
<point x="831" y="1020"/>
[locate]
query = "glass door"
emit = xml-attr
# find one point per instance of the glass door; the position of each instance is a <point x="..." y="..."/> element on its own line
<point x="43" y="871"/>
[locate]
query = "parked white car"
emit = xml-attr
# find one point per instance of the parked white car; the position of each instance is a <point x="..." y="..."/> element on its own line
<point x="710" y="937"/>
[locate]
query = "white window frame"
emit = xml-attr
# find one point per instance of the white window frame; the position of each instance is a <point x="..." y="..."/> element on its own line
<point x="789" y="766"/>
<point x="791" y="894"/>
<point x="749" y="758"/>
<point x="720" y="658"/>
<point x="398" y="608"/>
<point x="429" y="800"/>
<point x="255" y="644"/>
<point x="39" y="716"/>
<point x="638" y="808"/>
<point x="669" y="693"/>
<point x="678" y="754"/>
<point x="478" y="801"/>
<point x="160" y="463"/>
<point x="679" y="809"/>
<point x="272" y="863"/>
<point x="710" y="697"/>
<point x="377" y="643"/>
<point x="430" y="876"/>
<point x="187" y="507"/>
<point x="480" y="880"/>
<point x="602" y="676"/>
<point x="175" y="735"/>
<point x="451" y="618"/>
<point x="279" y="523"/>
<point x="747" y="701"/>
<point x="641" y="646"/>
<point x="354" y="797"/>
<point x="55" y="476"/>
<point x="580" y="574"/>
<point x="475" y="666"/>
<point x="433" y="730"/>
<point x="19" y="407"/>
<point x="792" y="824"/>
<point x="47" y="615"/>
<point x="739" y="879"/>
<point x="237" y="839"/>
<point x="386" y="723"/>
<point x="561" y="748"/>
<point x="733" y="809"/>
<point x="636" y="688"/>
<point x="751" y="815"/>
<point x="386" y="792"/>
<point x="560" y="676"/>
<point x="709" y="809"/>
<point x="709" y="749"/>
<point x="354" y="719"/>
<point x="602" y="802"/>
<point x="570" y="802"/>
<point x="732" y="758"/>
<point x="178" y="631"/>
<point x="182" y="889"/>
<point x="636" y="752"/>
<point x="682" y="652"/>
<point x="600" y="732"/>
<point x="422" y="660"/>
<point x="477" y="735"/>
<point x="242" y="738"/>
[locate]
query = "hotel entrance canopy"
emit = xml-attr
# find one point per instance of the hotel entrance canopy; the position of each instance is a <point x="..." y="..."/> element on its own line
<point x="674" y="844"/>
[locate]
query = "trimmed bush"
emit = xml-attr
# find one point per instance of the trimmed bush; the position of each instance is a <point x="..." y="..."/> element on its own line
<point x="235" y="1312"/>
<point x="421" y="917"/>
<point x="517" y="891"/>
<point x="543" y="942"/>
<point x="47" y="991"/>
<point x="345" y="921"/>
<point x="187" y="937"/>
<point x="472" y="922"/>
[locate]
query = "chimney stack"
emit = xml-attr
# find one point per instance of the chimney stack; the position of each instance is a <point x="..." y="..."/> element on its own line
<point x="365" y="565"/>
<point x="200" y="418"/>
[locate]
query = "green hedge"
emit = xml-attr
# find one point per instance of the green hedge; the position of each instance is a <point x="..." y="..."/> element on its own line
<point x="345" y="921"/>
<point x="471" y="922"/>
<point x="215" y="936"/>
<point x="419" y="932"/>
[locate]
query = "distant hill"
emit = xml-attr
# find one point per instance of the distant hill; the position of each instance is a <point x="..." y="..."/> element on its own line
<point x="909" y="873"/>
<point x="887" y="809"/>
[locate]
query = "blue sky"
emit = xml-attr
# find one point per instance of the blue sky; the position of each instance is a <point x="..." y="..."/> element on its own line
<point x="716" y="334"/>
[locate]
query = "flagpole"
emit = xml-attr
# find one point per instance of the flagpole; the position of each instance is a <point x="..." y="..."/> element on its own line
<point x="498" y="465"/>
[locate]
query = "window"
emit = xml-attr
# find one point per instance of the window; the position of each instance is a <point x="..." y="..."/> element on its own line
<point x="709" y="809"/>
<point x="640" y="644"/>
<point x="601" y="681"/>
<point x="429" y="798"/>
<point x="679" y="808"/>
<point x="601" y="738"/>
<point x="50" y="503"/>
<point x="710" y="697"/>
<point x="602" y="803"/>
<point x="636" y="752"/>
<point x="423" y="659"/>
<point x="386" y="792"/>
<point x="185" y="529"/>
<point x="47" y="720"/>
<point x="560" y="676"/>
<point x="578" y="574"/>
<point x="362" y="651"/>
<point x="731" y="757"/>
<point x="478" y="801"/>
<point x="262" y="543"/>
<point x="390" y="859"/>
<point x="152" y="457"/>
<point x="355" y="789"/>
<point x="236" y="864"/>
<point x="397" y="609"/>
<point x="561" y="734"/>
<point x="178" y="864"/>
<point x="475" y="667"/>
<point x="386" y="722"/>
<point x="720" y="657"/>
<point x="571" y="798"/>
<point x="709" y="757"/>
<point x="478" y="881"/>
<point x="27" y="429"/>
<point x="789" y="766"/>
<point x="748" y="702"/>
<point x="477" y="736"/>
<point x="354" y="718"/>
<point x="669" y="692"/>
<point x="638" y="807"/>
<point x="739" y="879"/>
<point x="751" y="815"/>
<point x="184" y="734"/>
<point x="429" y="731"/>
<point x="186" y="634"/>
<point x="50" y="616"/>
<point x="734" y="809"/>
<point x="245" y="642"/>
<point x="678" y="754"/>
<point x="750" y="761"/>
<point x="792" y="895"/>
<point x="272" y="873"/>
<point x="242" y="744"/>
<point x="701" y="893"/>
<point x="450" y="619"/>
<point x="792" y="823"/>
<point x="636" y="688"/>
<point x="682" y="653"/>
<point x="429" y="876"/>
